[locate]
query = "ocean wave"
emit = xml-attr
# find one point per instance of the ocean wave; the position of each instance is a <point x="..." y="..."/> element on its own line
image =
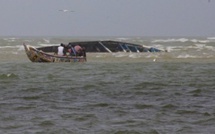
<point x="193" y="48"/>
<point x="182" y="40"/>
<point x="47" y="40"/>
<point x="11" y="48"/>
<point x="134" y="55"/>
<point x="185" y="56"/>
<point x="119" y="54"/>
<point x="200" y="41"/>
<point x="211" y="38"/>
<point x="170" y="40"/>
<point x="12" y="39"/>
<point x="122" y="39"/>
<point x="48" y="44"/>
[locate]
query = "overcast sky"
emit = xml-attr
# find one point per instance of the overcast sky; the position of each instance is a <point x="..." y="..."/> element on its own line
<point x="107" y="18"/>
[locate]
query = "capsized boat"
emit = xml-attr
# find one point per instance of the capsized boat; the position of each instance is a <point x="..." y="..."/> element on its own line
<point x="107" y="46"/>
<point x="36" y="55"/>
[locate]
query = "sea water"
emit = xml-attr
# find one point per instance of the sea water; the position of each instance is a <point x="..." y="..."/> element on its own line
<point x="112" y="93"/>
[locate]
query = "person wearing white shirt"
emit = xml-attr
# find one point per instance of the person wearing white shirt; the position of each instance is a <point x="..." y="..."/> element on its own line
<point x="60" y="51"/>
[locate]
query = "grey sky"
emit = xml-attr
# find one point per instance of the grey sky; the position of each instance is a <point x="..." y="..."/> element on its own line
<point x="107" y="18"/>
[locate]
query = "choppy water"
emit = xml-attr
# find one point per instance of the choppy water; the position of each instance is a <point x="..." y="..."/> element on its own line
<point x="121" y="93"/>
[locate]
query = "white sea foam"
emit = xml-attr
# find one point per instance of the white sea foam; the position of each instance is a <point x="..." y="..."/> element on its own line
<point x="211" y="38"/>
<point x="1" y="47"/>
<point x="199" y="41"/>
<point x="174" y="48"/>
<point x="210" y="48"/>
<point x="21" y="48"/>
<point x="10" y="39"/>
<point x="119" y="54"/>
<point x="46" y="40"/>
<point x="195" y="46"/>
<point x="204" y="46"/>
<point x="158" y="46"/>
<point x="43" y="45"/>
<point x="134" y="55"/>
<point x="122" y="39"/>
<point x="200" y="45"/>
<point x="181" y="40"/>
<point x="16" y="46"/>
<point x="171" y="40"/>
<point x="186" y="56"/>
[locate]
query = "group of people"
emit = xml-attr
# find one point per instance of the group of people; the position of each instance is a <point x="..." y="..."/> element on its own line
<point x="76" y="50"/>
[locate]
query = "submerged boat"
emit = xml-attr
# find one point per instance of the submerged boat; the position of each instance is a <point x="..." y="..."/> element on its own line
<point x="36" y="55"/>
<point x="108" y="46"/>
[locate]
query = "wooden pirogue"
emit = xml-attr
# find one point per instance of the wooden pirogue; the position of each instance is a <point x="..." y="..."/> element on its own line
<point x="36" y="55"/>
